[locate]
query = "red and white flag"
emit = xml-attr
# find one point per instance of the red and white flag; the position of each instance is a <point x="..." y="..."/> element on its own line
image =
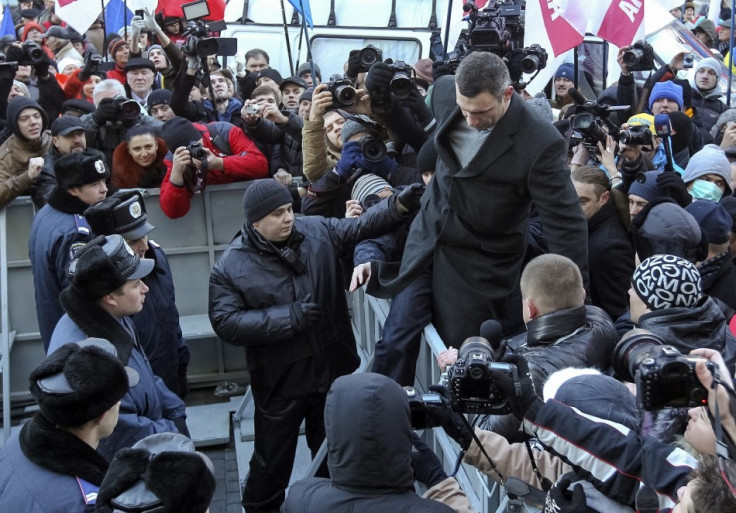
<point x="80" y="14"/>
<point x="559" y="25"/>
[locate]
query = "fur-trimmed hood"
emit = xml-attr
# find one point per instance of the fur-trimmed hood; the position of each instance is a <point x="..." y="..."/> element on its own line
<point x="127" y="174"/>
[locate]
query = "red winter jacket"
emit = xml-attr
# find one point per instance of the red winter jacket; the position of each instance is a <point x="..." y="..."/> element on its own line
<point x="243" y="162"/>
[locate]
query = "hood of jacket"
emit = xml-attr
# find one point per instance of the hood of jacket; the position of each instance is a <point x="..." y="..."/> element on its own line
<point x="368" y="429"/>
<point x="14" y="109"/>
<point x="689" y="328"/>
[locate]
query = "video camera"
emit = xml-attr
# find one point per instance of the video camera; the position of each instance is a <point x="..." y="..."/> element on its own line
<point x="98" y="63"/>
<point x="33" y="51"/>
<point x="640" y="57"/>
<point x="588" y="121"/>
<point x="664" y="377"/>
<point x="497" y="28"/>
<point x="199" y="42"/>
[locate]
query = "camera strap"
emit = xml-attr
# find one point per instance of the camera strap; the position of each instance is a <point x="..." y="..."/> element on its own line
<point x="546" y="483"/>
<point x="501" y="477"/>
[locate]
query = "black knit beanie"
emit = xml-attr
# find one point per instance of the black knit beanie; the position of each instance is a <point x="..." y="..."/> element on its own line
<point x="179" y="132"/>
<point x="158" y="97"/>
<point x="263" y="197"/>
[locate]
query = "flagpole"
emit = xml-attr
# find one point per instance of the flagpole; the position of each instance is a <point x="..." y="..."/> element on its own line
<point x="309" y="45"/>
<point x="730" y="57"/>
<point x="286" y="36"/>
<point x="447" y="26"/>
<point x="104" y="32"/>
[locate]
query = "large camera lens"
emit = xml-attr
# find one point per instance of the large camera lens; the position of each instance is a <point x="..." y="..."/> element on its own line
<point x="373" y="149"/>
<point x="33" y="51"/>
<point x="530" y="63"/>
<point x="401" y="85"/>
<point x="631" y="351"/>
<point x="633" y="56"/>
<point x="129" y="109"/>
<point x="208" y="46"/>
<point x="368" y="56"/>
<point x="345" y="95"/>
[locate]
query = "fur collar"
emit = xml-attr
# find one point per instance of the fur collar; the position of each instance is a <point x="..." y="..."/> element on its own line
<point x="126" y="174"/>
<point x="60" y="451"/>
<point x="61" y="200"/>
<point x="96" y="322"/>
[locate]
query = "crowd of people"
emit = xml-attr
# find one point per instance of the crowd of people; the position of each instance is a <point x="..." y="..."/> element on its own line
<point x="458" y="196"/>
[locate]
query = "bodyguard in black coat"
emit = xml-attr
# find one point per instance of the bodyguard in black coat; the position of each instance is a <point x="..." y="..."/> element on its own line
<point x="472" y="227"/>
<point x="278" y="291"/>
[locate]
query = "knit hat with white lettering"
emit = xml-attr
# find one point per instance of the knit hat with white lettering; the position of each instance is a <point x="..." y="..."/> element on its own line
<point x="667" y="281"/>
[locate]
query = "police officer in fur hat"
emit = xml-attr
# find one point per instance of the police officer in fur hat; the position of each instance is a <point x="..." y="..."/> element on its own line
<point x="157" y="325"/>
<point x="60" y="229"/>
<point x="163" y="474"/>
<point x="105" y="289"/>
<point x="52" y="466"/>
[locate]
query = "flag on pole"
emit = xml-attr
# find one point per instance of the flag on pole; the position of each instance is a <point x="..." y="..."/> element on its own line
<point x="8" y="27"/>
<point x="565" y="23"/>
<point x="306" y="13"/>
<point x="80" y="14"/>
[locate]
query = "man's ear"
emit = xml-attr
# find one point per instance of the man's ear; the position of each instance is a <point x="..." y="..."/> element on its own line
<point x="109" y="300"/>
<point x="533" y="310"/>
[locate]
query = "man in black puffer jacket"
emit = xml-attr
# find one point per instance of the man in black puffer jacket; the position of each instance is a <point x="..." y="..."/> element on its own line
<point x="561" y="331"/>
<point x="276" y="291"/>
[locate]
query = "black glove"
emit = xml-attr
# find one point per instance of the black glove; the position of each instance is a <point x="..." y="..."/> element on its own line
<point x="311" y="313"/>
<point x="439" y="69"/>
<point x="354" y="66"/>
<point x="182" y="382"/>
<point x="410" y="197"/>
<point x="562" y="500"/>
<point x="427" y="467"/>
<point x="523" y="399"/>
<point x="672" y="185"/>
<point x="89" y="68"/>
<point x="16" y="54"/>
<point x="415" y="101"/>
<point x="42" y="68"/>
<point x="379" y="77"/>
<point x="181" y="425"/>
<point x="451" y="421"/>
<point x="106" y="111"/>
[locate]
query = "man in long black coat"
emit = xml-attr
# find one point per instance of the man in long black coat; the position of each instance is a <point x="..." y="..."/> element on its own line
<point x="472" y="226"/>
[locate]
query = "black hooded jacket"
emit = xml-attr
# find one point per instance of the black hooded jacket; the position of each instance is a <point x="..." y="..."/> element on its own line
<point x="368" y="429"/>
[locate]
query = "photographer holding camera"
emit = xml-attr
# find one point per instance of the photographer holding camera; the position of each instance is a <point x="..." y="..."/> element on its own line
<point x="114" y="114"/>
<point x="201" y="155"/>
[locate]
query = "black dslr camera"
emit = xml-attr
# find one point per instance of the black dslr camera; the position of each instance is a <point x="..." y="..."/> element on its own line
<point x="196" y="150"/>
<point x="636" y="135"/>
<point x="127" y="109"/>
<point x="343" y="92"/>
<point x="368" y="56"/>
<point x="640" y="57"/>
<point x="401" y="84"/>
<point x="471" y="383"/>
<point x="420" y="407"/>
<point x="33" y="51"/>
<point x="373" y="148"/>
<point x="534" y="59"/>
<point x="664" y="377"/>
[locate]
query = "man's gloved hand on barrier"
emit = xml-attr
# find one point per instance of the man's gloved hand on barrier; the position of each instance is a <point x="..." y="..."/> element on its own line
<point x="106" y="111"/>
<point x="379" y="77"/>
<point x="410" y="197"/>
<point x="671" y="184"/>
<point x="451" y="421"/>
<point x="523" y="399"/>
<point x="427" y="467"/>
<point x="562" y="500"/>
